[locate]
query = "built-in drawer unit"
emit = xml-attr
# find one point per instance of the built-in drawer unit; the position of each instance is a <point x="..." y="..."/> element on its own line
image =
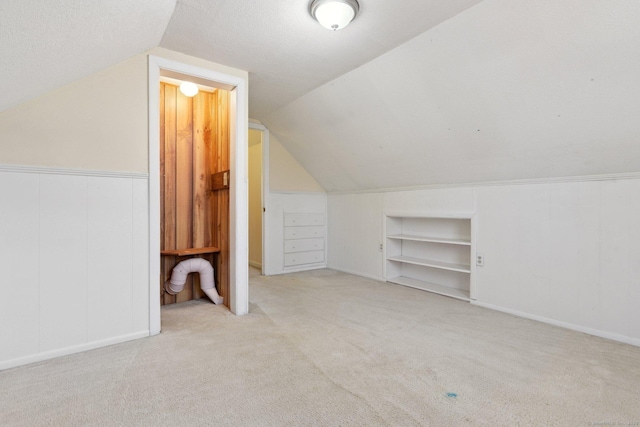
<point x="300" y="245"/>
<point x="299" y="258"/>
<point x="300" y="219"/>
<point x="304" y="239"/>
<point x="305" y="232"/>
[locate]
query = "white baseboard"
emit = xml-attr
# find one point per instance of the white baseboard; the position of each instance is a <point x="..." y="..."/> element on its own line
<point x="255" y="264"/>
<point x="39" y="357"/>
<point x="297" y="269"/>
<point x="596" y="332"/>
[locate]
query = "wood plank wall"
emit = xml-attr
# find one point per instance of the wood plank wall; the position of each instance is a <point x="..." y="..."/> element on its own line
<point x="220" y="161"/>
<point x="194" y="138"/>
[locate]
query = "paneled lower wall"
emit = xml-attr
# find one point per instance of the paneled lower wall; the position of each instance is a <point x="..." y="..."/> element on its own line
<point x="73" y="261"/>
<point x="563" y="252"/>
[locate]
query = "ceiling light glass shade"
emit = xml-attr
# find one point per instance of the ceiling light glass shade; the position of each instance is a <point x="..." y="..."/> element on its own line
<point x="189" y="89"/>
<point x="334" y="14"/>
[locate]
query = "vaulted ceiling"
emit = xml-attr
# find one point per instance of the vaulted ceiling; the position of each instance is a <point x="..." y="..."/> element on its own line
<point x="413" y="92"/>
<point x="506" y="90"/>
<point x="45" y="44"/>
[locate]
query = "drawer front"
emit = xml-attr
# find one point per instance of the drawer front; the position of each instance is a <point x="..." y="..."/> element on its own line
<point x="303" y="258"/>
<point x="300" y="219"/>
<point x="302" y="245"/>
<point x="303" y="232"/>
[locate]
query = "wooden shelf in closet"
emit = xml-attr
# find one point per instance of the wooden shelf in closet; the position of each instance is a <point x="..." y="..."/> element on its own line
<point x="190" y="251"/>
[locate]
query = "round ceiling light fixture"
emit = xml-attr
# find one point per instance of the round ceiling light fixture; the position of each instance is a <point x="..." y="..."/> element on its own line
<point x="189" y="89"/>
<point x="334" y="14"/>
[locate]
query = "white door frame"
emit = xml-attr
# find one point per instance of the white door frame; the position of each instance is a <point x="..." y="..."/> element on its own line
<point x="238" y="189"/>
<point x="265" y="195"/>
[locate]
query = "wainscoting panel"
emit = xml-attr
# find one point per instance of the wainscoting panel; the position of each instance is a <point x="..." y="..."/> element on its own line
<point x="74" y="257"/>
<point x="19" y="259"/>
<point x="110" y="257"/>
<point x="63" y="261"/>
<point x="140" y="271"/>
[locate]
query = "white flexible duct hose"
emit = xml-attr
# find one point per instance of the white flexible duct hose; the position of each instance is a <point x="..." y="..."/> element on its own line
<point x="192" y="265"/>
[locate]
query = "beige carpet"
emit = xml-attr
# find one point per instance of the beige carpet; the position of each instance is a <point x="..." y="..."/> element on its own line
<point x="329" y="349"/>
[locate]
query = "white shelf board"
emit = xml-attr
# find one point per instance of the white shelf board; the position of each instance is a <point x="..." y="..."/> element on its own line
<point x="431" y="263"/>
<point x="431" y="287"/>
<point x="417" y="238"/>
<point x="431" y="215"/>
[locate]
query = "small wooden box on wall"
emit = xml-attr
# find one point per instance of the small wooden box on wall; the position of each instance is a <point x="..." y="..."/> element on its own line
<point x="220" y="180"/>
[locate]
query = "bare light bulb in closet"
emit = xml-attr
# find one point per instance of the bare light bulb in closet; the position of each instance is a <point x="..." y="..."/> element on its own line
<point x="189" y="89"/>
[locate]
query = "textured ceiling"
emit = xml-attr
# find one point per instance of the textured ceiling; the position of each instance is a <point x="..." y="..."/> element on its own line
<point x="503" y="91"/>
<point x="45" y="44"/>
<point x="285" y="51"/>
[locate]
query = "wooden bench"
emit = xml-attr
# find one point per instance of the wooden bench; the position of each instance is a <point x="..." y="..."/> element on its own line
<point x="190" y="251"/>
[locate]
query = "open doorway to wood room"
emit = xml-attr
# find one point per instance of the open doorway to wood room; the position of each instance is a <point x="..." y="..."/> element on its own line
<point x="194" y="189"/>
<point x="236" y="292"/>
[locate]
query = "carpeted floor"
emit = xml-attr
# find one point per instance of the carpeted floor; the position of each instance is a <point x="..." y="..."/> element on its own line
<point x="325" y="348"/>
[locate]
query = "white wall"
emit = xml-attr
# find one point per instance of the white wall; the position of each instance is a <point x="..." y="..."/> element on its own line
<point x="99" y="122"/>
<point x="285" y="173"/>
<point x="561" y="252"/>
<point x="74" y="251"/>
<point x="355" y="233"/>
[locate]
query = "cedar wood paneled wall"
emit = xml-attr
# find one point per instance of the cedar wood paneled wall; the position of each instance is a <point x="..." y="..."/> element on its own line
<point x="194" y="138"/>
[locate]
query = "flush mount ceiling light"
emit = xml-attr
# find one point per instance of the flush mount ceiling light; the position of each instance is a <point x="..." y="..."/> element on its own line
<point x="189" y="89"/>
<point x="334" y="14"/>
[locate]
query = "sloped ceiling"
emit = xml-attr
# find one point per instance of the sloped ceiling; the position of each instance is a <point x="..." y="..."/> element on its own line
<point x="505" y="90"/>
<point x="413" y="92"/>
<point x="285" y="51"/>
<point x="46" y="44"/>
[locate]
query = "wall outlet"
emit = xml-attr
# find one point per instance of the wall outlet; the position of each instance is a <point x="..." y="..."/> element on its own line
<point x="479" y="260"/>
<point x="380" y="247"/>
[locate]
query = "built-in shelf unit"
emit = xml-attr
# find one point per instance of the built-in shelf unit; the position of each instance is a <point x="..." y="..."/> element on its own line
<point x="431" y="252"/>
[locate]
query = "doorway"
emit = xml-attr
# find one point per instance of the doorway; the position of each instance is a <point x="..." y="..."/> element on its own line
<point x="255" y="199"/>
<point x="238" y="215"/>
<point x="194" y="195"/>
<point x="258" y="152"/>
